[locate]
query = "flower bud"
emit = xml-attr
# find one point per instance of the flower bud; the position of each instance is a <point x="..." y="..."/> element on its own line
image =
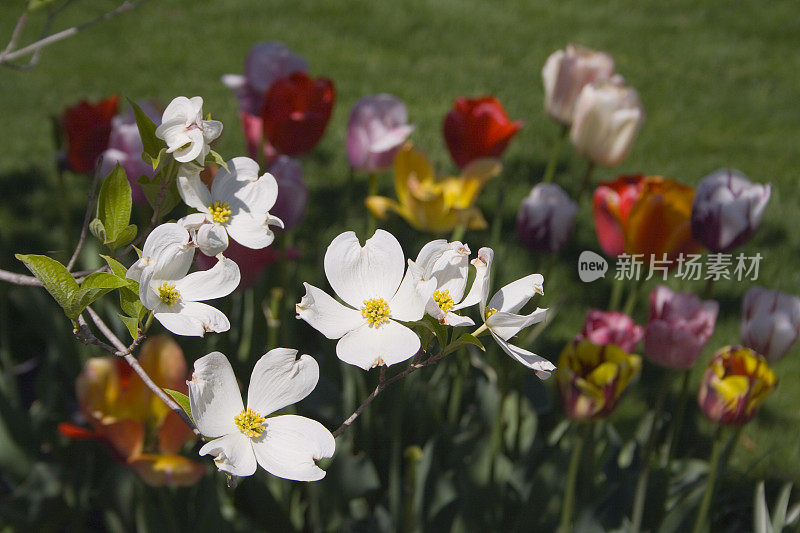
<point x="679" y="327"/>
<point x="770" y="322"/>
<point x="567" y="72"/>
<point x="727" y="209"/>
<point x="376" y="131"/>
<point x="546" y="218"/>
<point x="611" y="327"/>
<point x="735" y="383"/>
<point x="608" y="116"/>
<point x="476" y="128"/>
<point x="591" y="378"/>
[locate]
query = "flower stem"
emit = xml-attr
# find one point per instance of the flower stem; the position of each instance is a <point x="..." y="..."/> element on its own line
<point x="550" y="170"/>
<point x="630" y="303"/>
<point x="701" y="523"/>
<point x="644" y="473"/>
<point x="616" y="295"/>
<point x="587" y="180"/>
<point x="458" y="233"/>
<point x="565" y="526"/>
<point x="675" y="431"/>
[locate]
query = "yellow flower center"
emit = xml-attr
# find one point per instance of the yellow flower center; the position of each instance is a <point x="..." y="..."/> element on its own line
<point x="169" y="294"/>
<point x="376" y="311"/>
<point x="443" y="300"/>
<point x="250" y="423"/>
<point x="490" y="312"/>
<point x="220" y="212"/>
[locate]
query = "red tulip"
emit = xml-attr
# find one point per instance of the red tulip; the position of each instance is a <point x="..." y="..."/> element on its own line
<point x="476" y="128"/>
<point x="612" y="205"/>
<point x="611" y="327"/>
<point x="296" y="111"/>
<point x="88" y="128"/>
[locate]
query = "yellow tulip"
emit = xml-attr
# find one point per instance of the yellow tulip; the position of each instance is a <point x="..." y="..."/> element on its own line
<point x="431" y="204"/>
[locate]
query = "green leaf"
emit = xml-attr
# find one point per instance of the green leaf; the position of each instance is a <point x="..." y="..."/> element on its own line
<point x="152" y="190"/>
<point x="114" y="205"/>
<point x="781" y="507"/>
<point x="98" y="230"/>
<point x="93" y="287"/>
<point x="154" y="161"/>
<point x="54" y="277"/>
<point x="131" y="323"/>
<point x="116" y="267"/>
<point x="126" y="236"/>
<point x="34" y="5"/>
<point x="463" y="340"/>
<point x="432" y="325"/>
<point x="129" y="301"/>
<point x="214" y="157"/>
<point x="182" y="400"/>
<point x="147" y="131"/>
<point x="761" y="521"/>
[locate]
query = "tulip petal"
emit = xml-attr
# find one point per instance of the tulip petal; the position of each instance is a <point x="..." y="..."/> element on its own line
<point x="539" y="364"/>
<point x="291" y="445"/>
<point x="514" y="296"/>
<point x="369" y="346"/>
<point x="233" y="453"/>
<point x="191" y="319"/>
<point x="359" y="273"/>
<point x="280" y="379"/>
<point x="216" y="282"/>
<point x="326" y="315"/>
<point x="506" y="325"/>
<point x="214" y="396"/>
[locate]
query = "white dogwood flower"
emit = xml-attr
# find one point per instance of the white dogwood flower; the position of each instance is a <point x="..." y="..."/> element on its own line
<point x="237" y="204"/>
<point x="370" y="281"/>
<point x="186" y="133"/>
<point x="448" y="264"/>
<point x="286" y="446"/>
<point x="173" y="295"/>
<point x="500" y="316"/>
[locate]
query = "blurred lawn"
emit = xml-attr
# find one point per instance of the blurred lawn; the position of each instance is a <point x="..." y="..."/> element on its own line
<point x="720" y="83"/>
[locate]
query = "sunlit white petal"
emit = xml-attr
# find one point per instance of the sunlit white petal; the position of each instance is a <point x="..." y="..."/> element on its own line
<point x="192" y="319"/>
<point x="506" y="325"/>
<point x="515" y="295"/>
<point x="232" y="453"/>
<point x="216" y="282"/>
<point x="291" y="445"/>
<point x="539" y="364"/>
<point x="326" y="315"/>
<point x="369" y="346"/>
<point x="280" y="379"/>
<point x="214" y="395"/>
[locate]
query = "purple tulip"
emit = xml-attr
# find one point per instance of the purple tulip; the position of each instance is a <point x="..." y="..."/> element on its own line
<point x="290" y="206"/>
<point x="611" y="327"/>
<point x="727" y="209"/>
<point x="546" y="218"/>
<point x="265" y="63"/>
<point x="770" y="322"/>
<point x="377" y="129"/>
<point x="125" y="148"/>
<point x="679" y="327"/>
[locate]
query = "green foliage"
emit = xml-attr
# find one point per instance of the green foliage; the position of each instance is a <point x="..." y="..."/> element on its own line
<point x="161" y="191"/>
<point x="214" y="157"/>
<point x="462" y="341"/>
<point x="114" y="211"/>
<point x="154" y="148"/>
<point x="181" y="400"/>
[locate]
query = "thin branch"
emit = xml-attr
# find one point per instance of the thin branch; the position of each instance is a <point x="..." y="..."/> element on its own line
<point x="15" y="35"/>
<point x="30" y="281"/>
<point x="7" y="56"/>
<point x="87" y="216"/>
<point x="120" y="350"/>
<point x="383" y="383"/>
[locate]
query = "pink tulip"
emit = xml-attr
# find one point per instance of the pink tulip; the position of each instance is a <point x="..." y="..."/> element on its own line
<point x="290" y="206"/>
<point x="770" y="322"/>
<point x="611" y="327"/>
<point x="679" y="327"/>
<point x="377" y="129"/>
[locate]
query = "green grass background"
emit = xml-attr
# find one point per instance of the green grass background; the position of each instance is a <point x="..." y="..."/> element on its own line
<point x="718" y="80"/>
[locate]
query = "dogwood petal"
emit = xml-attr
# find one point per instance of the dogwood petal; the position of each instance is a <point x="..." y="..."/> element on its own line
<point x="479" y="292"/>
<point x="250" y="230"/>
<point x="358" y="273"/>
<point x="408" y="304"/>
<point x="191" y="319"/>
<point x="184" y="109"/>
<point x="387" y="344"/>
<point x="216" y="282"/>
<point x="326" y="315"/>
<point x="193" y="221"/>
<point x="211" y="130"/>
<point x="506" y="325"/>
<point x="233" y="453"/>
<point x="193" y="191"/>
<point x="515" y="295"/>
<point x="214" y="396"/>
<point x="241" y="187"/>
<point x="280" y="379"/>
<point x="291" y="445"/>
<point x="165" y="251"/>
<point x="454" y="320"/>
<point x="448" y="263"/>
<point x="192" y="148"/>
<point x="212" y="239"/>
<point x="539" y="364"/>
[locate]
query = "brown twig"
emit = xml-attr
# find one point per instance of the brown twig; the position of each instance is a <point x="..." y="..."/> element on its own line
<point x="383" y="383"/>
<point x="9" y="54"/>
<point x="87" y="216"/>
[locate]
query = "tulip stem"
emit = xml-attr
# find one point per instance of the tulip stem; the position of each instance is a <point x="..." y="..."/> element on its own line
<point x="675" y="431"/>
<point x="701" y="523"/>
<point x="630" y="303"/>
<point x="550" y="170"/>
<point x="616" y="295"/>
<point x="644" y="473"/>
<point x="587" y="179"/>
<point x="565" y="526"/>
<point x="708" y="290"/>
<point x="458" y="233"/>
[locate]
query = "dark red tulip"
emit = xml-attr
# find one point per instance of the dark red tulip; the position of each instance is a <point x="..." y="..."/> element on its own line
<point x="477" y="127"/>
<point x="296" y="111"/>
<point x="87" y="127"/>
